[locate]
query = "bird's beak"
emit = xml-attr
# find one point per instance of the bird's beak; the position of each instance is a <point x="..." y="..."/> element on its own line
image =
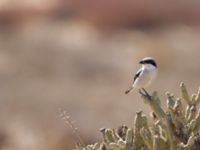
<point x="141" y="62"/>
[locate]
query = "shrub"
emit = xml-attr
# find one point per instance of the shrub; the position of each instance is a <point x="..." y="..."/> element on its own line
<point x="176" y="128"/>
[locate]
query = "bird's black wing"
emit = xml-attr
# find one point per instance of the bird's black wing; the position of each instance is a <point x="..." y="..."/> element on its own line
<point x="137" y="75"/>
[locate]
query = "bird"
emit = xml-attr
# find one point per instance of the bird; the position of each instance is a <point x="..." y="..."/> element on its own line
<point x="145" y="75"/>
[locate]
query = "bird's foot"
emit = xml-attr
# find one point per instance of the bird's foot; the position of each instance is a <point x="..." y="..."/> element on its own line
<point x="145" y="94"/>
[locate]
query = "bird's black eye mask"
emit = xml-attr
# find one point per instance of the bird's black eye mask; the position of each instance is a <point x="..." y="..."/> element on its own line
<point x="149" y="61"/>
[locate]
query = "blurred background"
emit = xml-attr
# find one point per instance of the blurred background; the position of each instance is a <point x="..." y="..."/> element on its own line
<point x="81" y="56"/>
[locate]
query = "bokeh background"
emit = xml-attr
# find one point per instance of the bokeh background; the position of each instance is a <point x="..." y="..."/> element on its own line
<point x="81" y="56"/>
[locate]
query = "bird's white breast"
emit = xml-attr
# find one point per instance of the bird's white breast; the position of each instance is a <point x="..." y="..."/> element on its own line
<point x="148" y="74"/>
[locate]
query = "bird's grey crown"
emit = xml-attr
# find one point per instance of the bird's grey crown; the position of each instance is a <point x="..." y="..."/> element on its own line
<point x="148" y="60"/>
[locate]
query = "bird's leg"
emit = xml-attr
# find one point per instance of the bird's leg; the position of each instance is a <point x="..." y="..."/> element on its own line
<point x="144" y="93"/>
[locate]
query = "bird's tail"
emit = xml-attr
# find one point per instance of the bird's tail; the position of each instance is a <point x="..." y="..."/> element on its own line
<point x="127" y="91"/>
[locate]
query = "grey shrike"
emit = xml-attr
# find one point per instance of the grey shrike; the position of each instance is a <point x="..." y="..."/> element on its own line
<point x="145" y="75"/>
